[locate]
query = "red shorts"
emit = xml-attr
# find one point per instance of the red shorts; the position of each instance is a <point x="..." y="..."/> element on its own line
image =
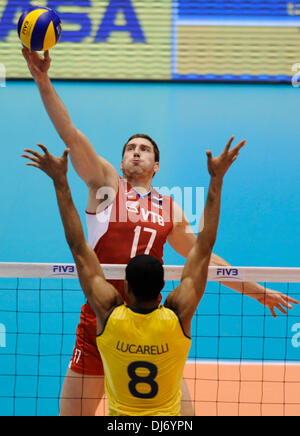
<point x="86" y="358"/>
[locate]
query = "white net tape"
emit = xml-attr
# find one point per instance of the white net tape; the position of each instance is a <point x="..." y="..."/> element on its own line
<point x="172" y="272"/>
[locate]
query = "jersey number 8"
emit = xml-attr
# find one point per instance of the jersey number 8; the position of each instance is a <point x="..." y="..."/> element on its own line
<point x="136" y="379"/>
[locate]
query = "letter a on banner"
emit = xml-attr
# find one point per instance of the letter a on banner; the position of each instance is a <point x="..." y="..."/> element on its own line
<point x="108" y="24"/>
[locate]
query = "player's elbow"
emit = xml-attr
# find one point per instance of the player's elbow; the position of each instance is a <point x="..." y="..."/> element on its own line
<point x="69" y="135"/>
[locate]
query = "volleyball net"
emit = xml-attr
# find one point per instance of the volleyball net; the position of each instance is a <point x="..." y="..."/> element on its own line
<point x="242" y="360"/>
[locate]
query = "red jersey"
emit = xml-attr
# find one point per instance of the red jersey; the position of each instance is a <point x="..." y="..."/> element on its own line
<point x="131" y="225"/>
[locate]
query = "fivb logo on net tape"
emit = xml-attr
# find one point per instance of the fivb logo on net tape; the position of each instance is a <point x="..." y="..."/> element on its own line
<point x="227" y="273"/>
<point x="63" y="270"/>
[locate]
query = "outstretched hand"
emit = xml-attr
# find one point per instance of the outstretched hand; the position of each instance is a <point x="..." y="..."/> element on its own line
<point x="38" y="65"/>
<point x="55" y="167"/>
<point x="277" y="300"/>
<point x="218" y="166"/>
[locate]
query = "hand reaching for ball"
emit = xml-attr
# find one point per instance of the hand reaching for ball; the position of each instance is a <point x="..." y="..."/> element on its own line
<point x="38" y="65"/>
<point x="39" y="29"/>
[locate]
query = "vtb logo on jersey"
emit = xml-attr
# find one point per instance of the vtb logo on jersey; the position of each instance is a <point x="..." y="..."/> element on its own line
<point x="132" y="206"/>
<point x="146" y="215"/>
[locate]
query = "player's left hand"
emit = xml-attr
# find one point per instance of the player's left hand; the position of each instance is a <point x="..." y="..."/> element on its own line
<point x="218" y="166"/>
<point x="55" y="167"/>
<point x="276" y="300"/>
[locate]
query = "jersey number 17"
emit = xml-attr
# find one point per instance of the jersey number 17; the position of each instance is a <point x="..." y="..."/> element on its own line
<point x="137" y="234"/>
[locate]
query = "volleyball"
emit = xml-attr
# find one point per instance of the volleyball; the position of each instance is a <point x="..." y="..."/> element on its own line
<point x="39" y="28"/>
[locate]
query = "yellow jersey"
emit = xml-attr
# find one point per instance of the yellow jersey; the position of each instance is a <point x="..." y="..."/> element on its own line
<point x="144" y="355"/>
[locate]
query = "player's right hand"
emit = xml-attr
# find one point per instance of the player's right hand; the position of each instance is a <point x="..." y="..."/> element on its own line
<point x="38" y="65"/>
<point x="55" y="167"/>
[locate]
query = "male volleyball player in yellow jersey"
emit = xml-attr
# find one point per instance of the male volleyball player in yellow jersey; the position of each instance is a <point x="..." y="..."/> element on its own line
<point x="81" y="388"/>
<point x="143" y="346"/>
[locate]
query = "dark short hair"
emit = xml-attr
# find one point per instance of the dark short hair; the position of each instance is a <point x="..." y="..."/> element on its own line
<point x="142" y="135"/>
<point x="145" y="276"/>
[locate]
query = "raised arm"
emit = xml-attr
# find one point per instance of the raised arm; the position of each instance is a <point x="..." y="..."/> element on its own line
<point x="187" y="296"/>
<point x="93" y="169"/>
<point x="101" y="295"/>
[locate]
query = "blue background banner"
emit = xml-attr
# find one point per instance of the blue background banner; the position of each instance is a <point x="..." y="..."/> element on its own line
<point x="218" y="40"/>
<point x="238" y="9"/>
<point x="222" y="40"/>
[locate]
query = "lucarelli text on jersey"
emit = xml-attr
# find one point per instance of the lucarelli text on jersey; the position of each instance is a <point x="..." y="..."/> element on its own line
<point x="142" y="349"/>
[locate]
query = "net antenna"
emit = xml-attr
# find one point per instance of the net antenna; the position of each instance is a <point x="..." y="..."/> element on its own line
<point x="2" y="76"/>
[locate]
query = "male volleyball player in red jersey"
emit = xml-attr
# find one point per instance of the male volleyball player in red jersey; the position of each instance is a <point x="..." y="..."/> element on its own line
<point x="149" y="386"/>
<point x="84" y="382"/>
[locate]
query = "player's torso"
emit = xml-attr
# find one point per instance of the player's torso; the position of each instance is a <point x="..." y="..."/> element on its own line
<point x="131" y="225"/>
<point x="143" y="356"/>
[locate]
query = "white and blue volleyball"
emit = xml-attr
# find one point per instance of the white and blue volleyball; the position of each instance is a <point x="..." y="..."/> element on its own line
<point x="39" y="28"/>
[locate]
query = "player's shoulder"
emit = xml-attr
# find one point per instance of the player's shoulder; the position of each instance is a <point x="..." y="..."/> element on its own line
<point x="167" y="312"/>
<point x="179" y="217"/>
<point x="101" y="197"/>
<point x="120" y="310"/>
<point x="182" y="297"/>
